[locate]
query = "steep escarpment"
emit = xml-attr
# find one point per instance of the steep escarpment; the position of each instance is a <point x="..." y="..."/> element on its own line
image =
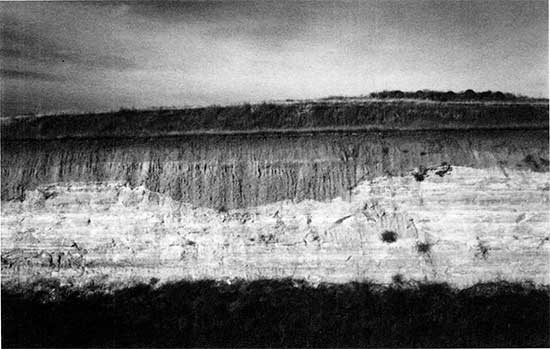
<point x="248" y="170"/>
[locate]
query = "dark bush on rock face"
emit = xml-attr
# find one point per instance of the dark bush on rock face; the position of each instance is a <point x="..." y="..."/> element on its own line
<point x="423" y="247"/>
<point x="389" y="236"/>
<point x="277" y="313"/>
<point x="420" y="174"/>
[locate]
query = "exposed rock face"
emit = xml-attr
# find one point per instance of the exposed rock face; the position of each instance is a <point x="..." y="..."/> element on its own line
<point x="458" y="224"/>
<point x="243" y="171"/>
<point x="458" y="207"/>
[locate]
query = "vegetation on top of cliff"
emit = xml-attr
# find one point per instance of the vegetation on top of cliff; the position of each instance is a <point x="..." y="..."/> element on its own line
<point x="468" y="95"/>
<point x="276" y="313"/>
<point x="284" y="117"/>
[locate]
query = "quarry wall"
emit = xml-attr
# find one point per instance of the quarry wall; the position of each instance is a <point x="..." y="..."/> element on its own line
<point x="466" y="226"/>
<point x="457" y="207"/>
<point x="242" y="171"/>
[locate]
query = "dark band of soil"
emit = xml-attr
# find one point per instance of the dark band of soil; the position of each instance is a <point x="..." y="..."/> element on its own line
<point x="271" y="117"/>
<point x="248" y="170"/>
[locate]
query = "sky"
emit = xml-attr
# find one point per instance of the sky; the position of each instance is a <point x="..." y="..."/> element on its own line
<point x="97" y="56"/>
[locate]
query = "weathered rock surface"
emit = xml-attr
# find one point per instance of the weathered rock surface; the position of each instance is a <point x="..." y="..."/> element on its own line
<point x="460" y="225"/>
<point x="238" y="171"/>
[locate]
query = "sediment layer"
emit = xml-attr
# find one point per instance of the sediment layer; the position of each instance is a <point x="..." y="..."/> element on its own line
<point x="226" y="172"/>
<point x="461" y="225"/>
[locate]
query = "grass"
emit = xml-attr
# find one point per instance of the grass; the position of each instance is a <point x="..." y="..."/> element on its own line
<point x="271" y="117"/>
<point x="276" y="313"/>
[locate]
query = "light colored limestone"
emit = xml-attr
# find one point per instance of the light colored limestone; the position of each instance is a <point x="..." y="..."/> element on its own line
<point x="480" y="224"/>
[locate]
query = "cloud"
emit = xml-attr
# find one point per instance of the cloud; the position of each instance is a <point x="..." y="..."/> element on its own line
<point x="29" y="75"/>
<point x="97" y="55"/>
<point x="25" y="47"/>
<point x="267" y="23"/>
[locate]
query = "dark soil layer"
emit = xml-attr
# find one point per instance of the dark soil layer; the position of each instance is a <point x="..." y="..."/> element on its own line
<point x="227" y="171"/>
<point x="385" y="115"/>
<point x="277" y="313"/>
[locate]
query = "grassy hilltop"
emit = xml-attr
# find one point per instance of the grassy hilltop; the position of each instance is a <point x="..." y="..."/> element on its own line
<point x="385" y="110"/>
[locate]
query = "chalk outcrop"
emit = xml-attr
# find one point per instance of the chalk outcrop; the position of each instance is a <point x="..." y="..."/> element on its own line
<point x="458" y="224"/>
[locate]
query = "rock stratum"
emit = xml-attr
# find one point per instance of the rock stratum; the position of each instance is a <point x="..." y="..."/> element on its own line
<point x="239" y="171"/>
<point x="454" y="224"/>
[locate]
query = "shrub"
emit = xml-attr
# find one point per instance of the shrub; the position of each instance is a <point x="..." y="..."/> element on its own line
<point x="389" y="236"/>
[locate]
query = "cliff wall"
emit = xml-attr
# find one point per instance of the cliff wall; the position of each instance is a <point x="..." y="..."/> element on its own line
<point x="452" y="206"/>
<point x="239" y="171"/>
<point x="459" y="225"/>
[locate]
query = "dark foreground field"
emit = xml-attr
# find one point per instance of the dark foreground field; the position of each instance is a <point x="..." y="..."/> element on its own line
<point x="268" y="313"/>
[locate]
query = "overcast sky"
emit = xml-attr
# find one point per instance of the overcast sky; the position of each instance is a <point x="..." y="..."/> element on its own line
<point x="72" y="56"/>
